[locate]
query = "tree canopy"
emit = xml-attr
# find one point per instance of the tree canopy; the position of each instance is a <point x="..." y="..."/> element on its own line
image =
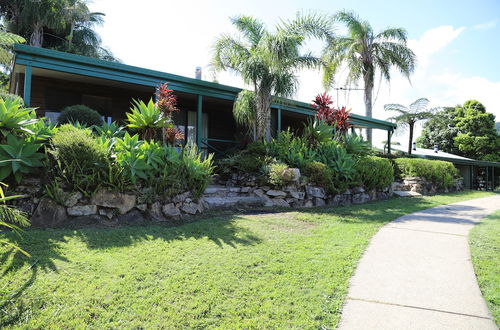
<point x="366" y="53"/>
<point x="65" y="25"/>
<point x="466" y="130"/>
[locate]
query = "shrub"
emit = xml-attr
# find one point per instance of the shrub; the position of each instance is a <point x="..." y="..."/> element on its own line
<point x="336" y="157"/>
<point x="319" y="174"/>
<point x="291" y="150"/>
<point x="83" y="161"/>
<point x="146" y="119"/>
<point x="356" y="145"/>
<point x="440" y="173"/>
<point x="279" y="174"/>
<point x="197" y="169"/>
<point x="81" y="114"/>
<point x="374" y="172"/>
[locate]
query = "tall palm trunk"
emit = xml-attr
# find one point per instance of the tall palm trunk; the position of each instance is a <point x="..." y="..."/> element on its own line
<point x="263" y="100"/>
<point x="368" y="110"/>
<point x="411" y="125"/>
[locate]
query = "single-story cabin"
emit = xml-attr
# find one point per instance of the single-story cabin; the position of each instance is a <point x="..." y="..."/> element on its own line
<point x="477" y="174"/>
<point x="51" y="80"/>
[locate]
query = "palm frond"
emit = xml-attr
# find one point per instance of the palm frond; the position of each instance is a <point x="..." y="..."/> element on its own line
<point x="250" y="27"/>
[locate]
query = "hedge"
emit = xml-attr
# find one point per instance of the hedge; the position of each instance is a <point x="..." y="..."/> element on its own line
<point x="374" y="172"/>
<point x="440" y="173"/>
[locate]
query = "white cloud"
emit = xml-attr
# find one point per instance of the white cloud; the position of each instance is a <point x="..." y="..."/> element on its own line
<point x="485" y="26"/>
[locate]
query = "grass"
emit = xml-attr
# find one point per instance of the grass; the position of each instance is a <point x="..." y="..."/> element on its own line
<point x="282" y="270"/>
<point x="484" y="242"/>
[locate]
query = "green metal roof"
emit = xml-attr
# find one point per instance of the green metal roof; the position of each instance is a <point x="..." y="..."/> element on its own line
<point x="92" y="67"/>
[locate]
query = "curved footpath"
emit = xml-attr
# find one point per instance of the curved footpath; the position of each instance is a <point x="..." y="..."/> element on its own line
<point x="417" y="273"/>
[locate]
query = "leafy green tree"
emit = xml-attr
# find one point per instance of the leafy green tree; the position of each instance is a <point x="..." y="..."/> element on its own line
<point x="441" y="129"/>
<point x="6" y="41"/>
<point x="408" y="116"/>
<point x="365" y="53"/>
<point x="477" y="137"/>
<point x="267" y="61"/>
<point x="66" y="25"/>
<point x="466" y="130"/>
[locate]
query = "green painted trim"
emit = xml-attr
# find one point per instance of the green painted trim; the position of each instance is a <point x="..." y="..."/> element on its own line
<point x="220" y="140"/>
<point x="27" y="85"/>
<point x="82" y="65"/>
<point x="199" y="120"/>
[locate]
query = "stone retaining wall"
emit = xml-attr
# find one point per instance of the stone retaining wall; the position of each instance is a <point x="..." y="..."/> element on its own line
<point x="108" y="209"/>
<point x="424" y="187"/>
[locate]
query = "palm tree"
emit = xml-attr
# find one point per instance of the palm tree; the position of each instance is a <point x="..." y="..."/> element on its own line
<point x="408" y="116"/>
<point x="266" y="61"/>
<point x="365" y="52"/>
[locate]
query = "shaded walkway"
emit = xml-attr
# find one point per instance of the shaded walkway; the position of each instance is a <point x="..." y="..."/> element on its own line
<point x="417" y="273"/>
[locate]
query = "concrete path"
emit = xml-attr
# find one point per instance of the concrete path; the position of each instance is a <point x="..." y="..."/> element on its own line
<point x="417" y="273"/>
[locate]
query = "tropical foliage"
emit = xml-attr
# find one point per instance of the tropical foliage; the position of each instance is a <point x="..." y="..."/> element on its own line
<point x="337" y="118"/>
<point x="408" y="116"/>
<point x="11" y="219"/>
<point x="267" y="61"/>
<point x="367" y="53"/>
<point x="440" y="173"/>
<point x="18" y="157"/>
<point x="66" y="25"/>
<point x="14" y="117"/>
<point x="6" y="41"/>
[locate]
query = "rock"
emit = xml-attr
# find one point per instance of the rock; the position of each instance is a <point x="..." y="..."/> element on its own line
<point x="32" y="181"/>
<point x="71" y="199"/>
<point x="155" y="211"/>
<point x="357" y="190"/>
<point x="276" y="193"/>
<point x="297" y="194"/>
<point x="134" y="217"/>
<point x="170" y="210"/>
<point x="265" y="188"/>
<point x="373" y="194"/>
<point x="259" y="193"/>
<point x="315" y="191"/>
<point x="181" y="197"/>
<point x="360" y="198"/>
<point x="332" y="201"/>
<point x="27" y="206"/>
<point x="82" y="210"/>
<point x="120" y="201"/>
<point x="348" y="192"/>
<point x="49" y="214"/>
<point x="279" y="202"/>
<point x="230" y="202"/>
<point x="346" y="200"/>
<point x="319" y="201"/>
<point x="245" y="190"/>
<point x="106" y="213"/>
<point x="142" y="207"/>
<point x="290" y="188"/>
<point x="308" y="203"/>
<point x="201" y="206"/>
<point x="290" y="200"/>
<point x="296" y="174"/>
<point x="235" y="189"/>
<point x="404" y="193"/>
<point x="190" y="208"/>
<point x="85" y="221"/>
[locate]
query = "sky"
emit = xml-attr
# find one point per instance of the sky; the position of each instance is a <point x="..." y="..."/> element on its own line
<point x="457" y="44"/>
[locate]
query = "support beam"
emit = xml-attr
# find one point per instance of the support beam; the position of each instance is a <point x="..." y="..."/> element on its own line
<point x="389" y="134"/>
<point x="27" y="85"/>
<point x="278" y="121"/>
<point x="353" y="131"/>
<point x="199" y="121"/>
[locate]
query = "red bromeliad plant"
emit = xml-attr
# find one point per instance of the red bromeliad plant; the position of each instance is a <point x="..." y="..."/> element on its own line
<point x="336" y="117"/>
<point x="166" y="102"/>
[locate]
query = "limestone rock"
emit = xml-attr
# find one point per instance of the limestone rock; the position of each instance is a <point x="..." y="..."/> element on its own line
<point x="319" y="201"/>
<point x="155" y="211"/>
<point x="49" y="214"/>
<point x="181" y="197"/>
<point x="276" y="193"/>
<point x="106" y="213"/>
<point x="190" y="208"/>
<point x="142" y="207"/>
<point x="315" y="192"/>
<point x="82" y="210"/>
<point x="279" y="202"/>
<point x="120" y="201"/>
<point x="297" y="194"/>
<point x="360" y="198"/>
<point x="71" y="199"/>
<point x="170" y="210"/>
<point x="259" y="193"/>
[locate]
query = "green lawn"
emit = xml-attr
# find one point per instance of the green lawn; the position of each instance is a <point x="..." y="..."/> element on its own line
<point x="485" y="250"/>
<point x="242" y="271"/>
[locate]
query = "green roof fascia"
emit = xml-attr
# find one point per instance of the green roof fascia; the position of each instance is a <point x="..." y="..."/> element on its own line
<point x="461" y="161"/>
<point x="92" y="67"/>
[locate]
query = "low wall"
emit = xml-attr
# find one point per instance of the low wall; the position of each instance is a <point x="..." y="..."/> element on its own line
<point x="110" y="209"/>
<point x="424" y="187"/>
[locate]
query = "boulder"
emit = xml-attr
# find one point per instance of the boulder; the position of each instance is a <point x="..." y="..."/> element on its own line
<point x="142" y="207"/>
<point x="245" y="190"/>
<point x="297" y="194"/>
<point x="134" y="217"/>
<point x="259" y="193"/>
<point x="276" y="193"/>
<point x="106" y="213"/>
<point x="315" y="191"/>
<point x="360" y="198"/>
<point x="82" y="210"/>
<point x="155" y="211"/>
<point x="190" y="208"/>
<point x="170" y="210"/>
<point x="308" y="203"/>
<point x="120" y="201"/>
<point x="71" y="198"/>
<point x="181" y="197"/>
<point x="295" y="173"/>
<point x="357" y="190"/>
<point x="49" y="214"/>
<point x="278" y="202"/>
<point x="319" y="201"/>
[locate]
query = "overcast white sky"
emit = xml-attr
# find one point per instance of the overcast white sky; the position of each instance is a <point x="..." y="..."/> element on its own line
<point x="457" y="44"/>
